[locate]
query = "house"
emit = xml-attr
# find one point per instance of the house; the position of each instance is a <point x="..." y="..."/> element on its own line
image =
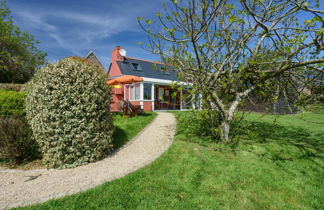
<point x="153" y="91"/>
<point x="92" y="58"/>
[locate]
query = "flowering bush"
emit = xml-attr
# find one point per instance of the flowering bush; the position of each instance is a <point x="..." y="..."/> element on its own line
<point x="67" y="106"/>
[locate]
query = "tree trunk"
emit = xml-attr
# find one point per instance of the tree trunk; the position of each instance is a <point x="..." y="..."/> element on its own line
<point x="225" y="125"/>
<point x="227" y="115"/>
<point x="224" y="132"/>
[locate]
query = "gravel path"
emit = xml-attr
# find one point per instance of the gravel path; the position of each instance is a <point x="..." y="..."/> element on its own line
<point x="20" y="188"/>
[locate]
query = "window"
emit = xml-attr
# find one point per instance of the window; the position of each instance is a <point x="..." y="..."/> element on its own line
<point x="147" y="91"/>
<point x="132" y="95"/>
<point x="135" y="92"/>
<point x="136" y="66"/>
<point x="161" y="94"/>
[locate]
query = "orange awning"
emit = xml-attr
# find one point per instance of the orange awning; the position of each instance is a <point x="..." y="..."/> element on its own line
<point x="127" y="79"/>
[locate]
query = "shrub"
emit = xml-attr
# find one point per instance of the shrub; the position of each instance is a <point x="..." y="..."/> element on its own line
<point x="199" y="125"/>
<point x="16" y="143"/>
<point x="67" y="107"/>
<point x="11" y="86"/>
<point x="11" y="103"/>
<point x="203" y="126"/>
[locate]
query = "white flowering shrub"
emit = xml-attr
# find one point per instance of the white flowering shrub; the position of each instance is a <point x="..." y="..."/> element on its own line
<point x="67" y="107"/>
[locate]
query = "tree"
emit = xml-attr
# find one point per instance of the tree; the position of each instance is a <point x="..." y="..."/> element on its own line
<point x="221" y="47"/>
<point x="19" y="57"/>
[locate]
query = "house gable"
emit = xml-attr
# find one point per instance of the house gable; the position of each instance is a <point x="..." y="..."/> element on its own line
<point x="92" y="58"/>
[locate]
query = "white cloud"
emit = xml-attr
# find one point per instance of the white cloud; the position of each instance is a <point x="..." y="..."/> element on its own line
<point x="35" y="21"/>
<point x="80" y="31"/>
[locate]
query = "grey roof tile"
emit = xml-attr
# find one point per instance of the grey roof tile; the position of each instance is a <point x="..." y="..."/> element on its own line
<point x="147" y="69"/>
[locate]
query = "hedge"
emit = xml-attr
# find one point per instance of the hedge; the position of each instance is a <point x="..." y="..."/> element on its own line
<point x="16" y="143"/>
<point x="11" y="103"/>
<point x="11" y="86"/>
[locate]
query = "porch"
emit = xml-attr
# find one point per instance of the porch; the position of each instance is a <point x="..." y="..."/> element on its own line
<point x="156" y="96"/>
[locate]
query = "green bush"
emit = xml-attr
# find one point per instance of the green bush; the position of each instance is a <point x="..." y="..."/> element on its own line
<point x="16" y="143"/>
<point x="198" y="125"/>
<point x="67" y="107"/>
<point x="11" y="103"/>
<point x="203" y="126"/>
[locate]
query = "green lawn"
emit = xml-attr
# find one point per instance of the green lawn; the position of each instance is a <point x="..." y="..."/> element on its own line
<point x="275" y="166"/>
<point x="127" y="128"/>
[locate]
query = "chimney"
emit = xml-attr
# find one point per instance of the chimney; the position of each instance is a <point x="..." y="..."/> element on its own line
<point x="116" y="56"/>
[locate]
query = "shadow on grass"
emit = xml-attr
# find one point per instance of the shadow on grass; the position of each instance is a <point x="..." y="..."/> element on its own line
<point x="282" y="143"/>
<point x="145" y="114"/>
<point x="127" y="128"/>
<point x="119" y="138"/>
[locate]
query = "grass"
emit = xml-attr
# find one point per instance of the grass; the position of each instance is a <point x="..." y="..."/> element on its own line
<point x="275" y="166"/>
<point x="125" y="130"/>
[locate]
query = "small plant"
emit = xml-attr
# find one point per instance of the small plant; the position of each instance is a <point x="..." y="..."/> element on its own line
<point x="67" y="106"/>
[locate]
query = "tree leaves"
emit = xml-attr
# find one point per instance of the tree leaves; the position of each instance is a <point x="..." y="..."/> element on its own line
<point x="227" y="50"/>
<point x="19" y="55"/>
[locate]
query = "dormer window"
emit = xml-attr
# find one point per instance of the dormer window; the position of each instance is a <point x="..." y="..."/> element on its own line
<point x="136" y="67"/>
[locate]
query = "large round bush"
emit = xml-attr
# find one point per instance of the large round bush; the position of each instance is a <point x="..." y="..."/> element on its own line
<point x="67" y="106"/>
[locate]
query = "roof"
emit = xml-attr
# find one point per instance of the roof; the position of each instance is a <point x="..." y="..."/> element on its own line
<point x="91" y="57"/>
<point x="143" y="68"/>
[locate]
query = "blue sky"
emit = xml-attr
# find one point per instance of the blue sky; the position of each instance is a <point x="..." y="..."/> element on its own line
<point x="74" y="27"/>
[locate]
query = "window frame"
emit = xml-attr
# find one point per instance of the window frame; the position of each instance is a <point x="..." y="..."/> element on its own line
<point x="150" y="91"/>
<point x="133" y="93"/>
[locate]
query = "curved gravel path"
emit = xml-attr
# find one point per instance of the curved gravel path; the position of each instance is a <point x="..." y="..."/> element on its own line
<point x="20" y="188"/>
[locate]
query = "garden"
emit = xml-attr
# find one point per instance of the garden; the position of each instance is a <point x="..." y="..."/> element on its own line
<point x="275" y="166"/>
<point x="276" y="162"/>
<point x="273" y="162"/>
<point x="58" y="119"/>
<point x="125" y="130"/>
<point x="21" y="148"/>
